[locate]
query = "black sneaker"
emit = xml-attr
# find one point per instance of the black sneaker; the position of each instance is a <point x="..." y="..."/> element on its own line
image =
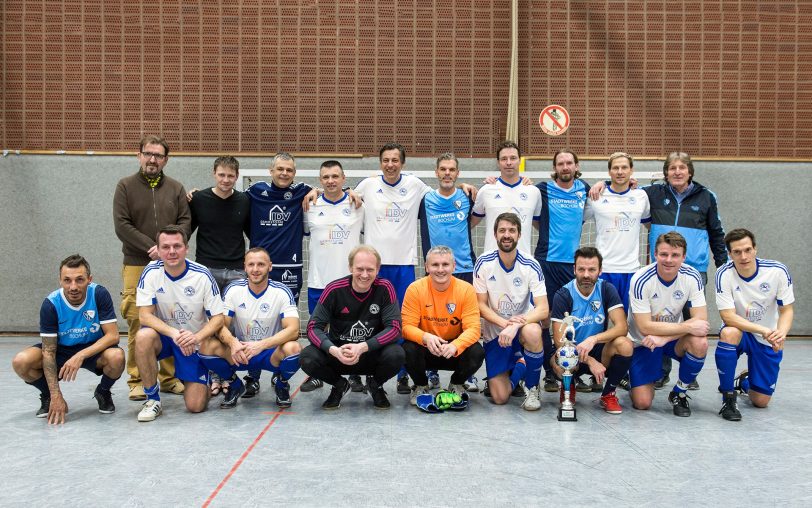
<point x="693" y="385"/>
<point x="737" y="384"/>
<point x="251" y="388"/>
<point x="550" y="384"/>
<point x="334" y="399"/>
<point x="582" y="387"/>
<point x="730" y="409"/>
<point x="235" y="391"/>
<point x="662" y="382"/>
<point x="44" y="405"/>
<point x="625" y="383"/>
<point x="282" y="389"/>
<point x="379" y="399"/>
<point x="355" y="383"/>
<point x="311" y="384"/>
<point x="596" y="387"/>
<point x="518" y="391"/>
<point x="403" y="386"/>
<point x="105" y="400"/>
<point x="680" y="403"/>
<point x="487" y="390"/>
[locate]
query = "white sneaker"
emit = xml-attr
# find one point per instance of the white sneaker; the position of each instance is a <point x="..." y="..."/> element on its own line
<point x="458" y="389"/>
<point x="417" y="390"/>
<point x="150" y="411"/>
<point x="472" y="384"/>
<point x="532" y="402"/>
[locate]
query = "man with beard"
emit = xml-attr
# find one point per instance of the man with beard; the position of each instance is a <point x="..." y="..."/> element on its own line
<point x="512" y="301"/>
<point x="604" y="352"/>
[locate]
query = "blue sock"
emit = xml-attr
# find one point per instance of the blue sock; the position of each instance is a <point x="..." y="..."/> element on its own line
<point x="689" y="367"/>
<point x="42" y="385"/>
<point x="517" y="375"/>
<point x="726" y="358"/>
<point x="534" y="362"/>
<point x="255" y="373"/>
<point x="106" y="383"/>
<point x="745" y="384"/>
<point x="402" y="373"/>
<point x="288" y="366"/>
<point x="152" y="392"/>
<point x="219" y="366"/>
<point x="618" y="367"/>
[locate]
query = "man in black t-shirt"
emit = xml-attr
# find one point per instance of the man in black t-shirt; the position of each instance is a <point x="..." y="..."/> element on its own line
<point x="354" y="330"/>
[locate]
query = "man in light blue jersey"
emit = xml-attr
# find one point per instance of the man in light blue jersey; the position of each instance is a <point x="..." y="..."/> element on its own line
<point x="79" y="331"/>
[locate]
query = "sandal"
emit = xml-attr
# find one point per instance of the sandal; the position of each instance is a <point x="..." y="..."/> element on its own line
<point x="225" y="386"/>
<point x="215" y="388"/>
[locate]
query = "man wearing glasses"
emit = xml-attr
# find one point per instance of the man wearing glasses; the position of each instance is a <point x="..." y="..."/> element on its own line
<point x="144" y="203"/>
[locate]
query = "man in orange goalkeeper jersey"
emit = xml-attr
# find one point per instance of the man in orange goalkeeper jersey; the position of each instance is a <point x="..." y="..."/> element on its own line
<point x="441" y="325"/>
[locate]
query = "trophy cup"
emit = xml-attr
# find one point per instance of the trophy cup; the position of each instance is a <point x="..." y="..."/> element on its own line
<point x="567" y="358"/>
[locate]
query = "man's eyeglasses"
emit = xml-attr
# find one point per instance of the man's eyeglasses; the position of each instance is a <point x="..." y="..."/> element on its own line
<point x="149" y="155"/>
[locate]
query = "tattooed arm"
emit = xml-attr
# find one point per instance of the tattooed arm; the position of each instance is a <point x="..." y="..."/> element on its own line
<point x="58" y="407"/>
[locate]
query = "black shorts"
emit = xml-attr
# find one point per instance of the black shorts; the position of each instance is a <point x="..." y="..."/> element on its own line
<point x="65" y="353"/>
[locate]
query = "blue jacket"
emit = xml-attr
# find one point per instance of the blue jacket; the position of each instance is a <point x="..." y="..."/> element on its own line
<point x="696" y="218"/>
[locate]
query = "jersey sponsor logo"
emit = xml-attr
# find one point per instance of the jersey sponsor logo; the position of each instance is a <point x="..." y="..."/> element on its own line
<point x="264" y="308"/>
<point x="374" y="309"/>
<point x="522" y="216"/>
<point x="359" y="332"/>
<point x="561" y="203"/>
<point x="595" y="305"/>
<point x="599" y="319"/>
<point x="288" y="195"/>
<point x="451" y="307"/>
<point x="754" y="312"/>
<point x="517" y="281"/>
<point x="180" y="315"/>
<point x="189" y="291"/>
<point x="678" y="295"/>
<point x="764" y="287"/>
<point x="94" y="327"/>
<point x="623" y="222"/>
<point x="89" y="314"/>
<point x="444" y="218"/>
<point x="667" y="316"/>
<point x="336" y="235"/>
<point x="255" y="331"/>
<point x="393" y="213"/>
<point x="455" y="321"/>
<point x="288" y="276"/>
<point x="506" y="307"/>
<point x="277" y="216"/>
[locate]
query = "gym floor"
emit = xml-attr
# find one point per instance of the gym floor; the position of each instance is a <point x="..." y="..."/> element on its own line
<point x="255" y="455"/>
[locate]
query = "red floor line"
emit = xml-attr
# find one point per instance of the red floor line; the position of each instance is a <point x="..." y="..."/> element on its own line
<point x="245" y="454"/>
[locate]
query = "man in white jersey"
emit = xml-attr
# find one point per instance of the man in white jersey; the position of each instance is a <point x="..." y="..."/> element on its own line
<point x="508" y="194"/>
<point x="754" y="297"/>
<point x="659" y="292"/>
<point x="618" y="214"/>
<point x="260" y="328"/>
<point x="512" y="301"/>
<point x="391" y="204"/>
<point x="179" y="307"/>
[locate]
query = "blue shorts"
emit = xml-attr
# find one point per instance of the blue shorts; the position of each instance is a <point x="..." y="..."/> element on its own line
<point x="500" y="359"/>
<point x="65" y="353"/>
<point x="400" y="276"/>
<point x="187" y="368"/>
<point x="647" y="365"/>
<point x="313" y="295"/>
<point x="762" y="363"/>
<point x="260" y="362"/>
<point x="622" y="282"/>
<point x="556" y="276"/>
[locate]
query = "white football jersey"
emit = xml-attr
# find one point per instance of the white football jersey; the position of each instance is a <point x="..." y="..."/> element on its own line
<point x="390" y="216"/>
<point x="617" y="227"/>
<point x="495" y="198"/>
<point x="185" y="302"/>
<point x="755" y="299"/>
<point x="334" y="229"/>
<point x="258" y="316"/>
<point x="664" y="301"/>
<point x="510" y="292"/>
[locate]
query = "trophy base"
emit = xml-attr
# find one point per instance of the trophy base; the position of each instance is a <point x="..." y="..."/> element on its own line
<point x="567" y="415"/>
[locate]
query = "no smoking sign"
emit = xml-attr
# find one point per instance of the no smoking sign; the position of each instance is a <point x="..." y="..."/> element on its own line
<point x="554" y="120"/>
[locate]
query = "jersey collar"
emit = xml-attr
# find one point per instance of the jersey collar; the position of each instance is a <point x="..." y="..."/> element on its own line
<point x="183" y="273"/>
<point x="334" y="202"/>
<point x="508" y="184"/>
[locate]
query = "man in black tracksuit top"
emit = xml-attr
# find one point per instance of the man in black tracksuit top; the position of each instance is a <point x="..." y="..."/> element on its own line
<point x="354" y="330"/>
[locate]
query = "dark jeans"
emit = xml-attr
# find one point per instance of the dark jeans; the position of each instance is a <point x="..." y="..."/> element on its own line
<point x="419" y="358"/>
<point x="382" y="364"/>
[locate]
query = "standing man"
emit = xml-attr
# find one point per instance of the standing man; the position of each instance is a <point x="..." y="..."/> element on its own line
<point x="143" y="204"/>
<point x="221" y="216"/>
<point x="265" y="331"/>
<point x="355" y="330"/>
<point x="512" y="301"/>
<point x="508" y="194"/>
<point x="78" y="328"/>
<point x="441" y="325"/>
<point x="619" y="213"/>
<point x="660" y="292"/>
<point x="604" y="352"/>
<point x="562" y="216"/>
<point x="180" y="307"/>
<point x="754" y="297"/>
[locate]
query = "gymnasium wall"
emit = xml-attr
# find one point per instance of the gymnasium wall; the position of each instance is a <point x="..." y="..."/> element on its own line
<point x="54" y="206"/>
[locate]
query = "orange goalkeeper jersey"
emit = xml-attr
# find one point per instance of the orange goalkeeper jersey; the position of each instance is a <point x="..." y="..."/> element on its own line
<point x="452" y="314"/>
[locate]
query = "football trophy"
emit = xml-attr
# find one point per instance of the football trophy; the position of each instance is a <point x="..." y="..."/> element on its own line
<point x="567" y="358"/>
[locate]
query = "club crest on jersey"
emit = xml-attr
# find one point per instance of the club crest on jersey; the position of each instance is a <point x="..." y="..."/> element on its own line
<point x="374" y="309"/>
<point x="288" y="195"/>
<point x="457" y="204"/>
<point x="632" y="200"/>
<point x="89" y="314"/>
<point x="579" y="195"/>
<point x="678" y="295"/>
<point x="189" y="291"/>
<point x="523" y="196"/>
<point x="345" y="212"/>
<point x="451" y="307"/>
<point x="517" y="281"/>
<point x="264" y="308"/>
<point x="403" y="191"/>
<point x="277" y="216"/>
<point x="764" y="287"/>
<point x="595" y="305"/>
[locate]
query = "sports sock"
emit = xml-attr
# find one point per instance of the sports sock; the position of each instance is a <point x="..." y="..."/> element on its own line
<point x="288" y="366"/>
<point x="152" y="392"/>
<point x="618" y="367"/>
<point x="534" y="362"/>
<point x="689" y="367"/>
<point x="219" y="366"/>
<point x="106" y="383"/>
<point x="518" y="373"/>
<point x="547" y="344"/>
<point x="745" y="384"/>
<point x="42" y="385"/>
<point x="255" y="373"/>
<point x="726" y="359"/>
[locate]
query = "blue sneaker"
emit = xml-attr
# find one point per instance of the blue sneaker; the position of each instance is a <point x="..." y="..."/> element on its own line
<point x="282" y="388"/>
